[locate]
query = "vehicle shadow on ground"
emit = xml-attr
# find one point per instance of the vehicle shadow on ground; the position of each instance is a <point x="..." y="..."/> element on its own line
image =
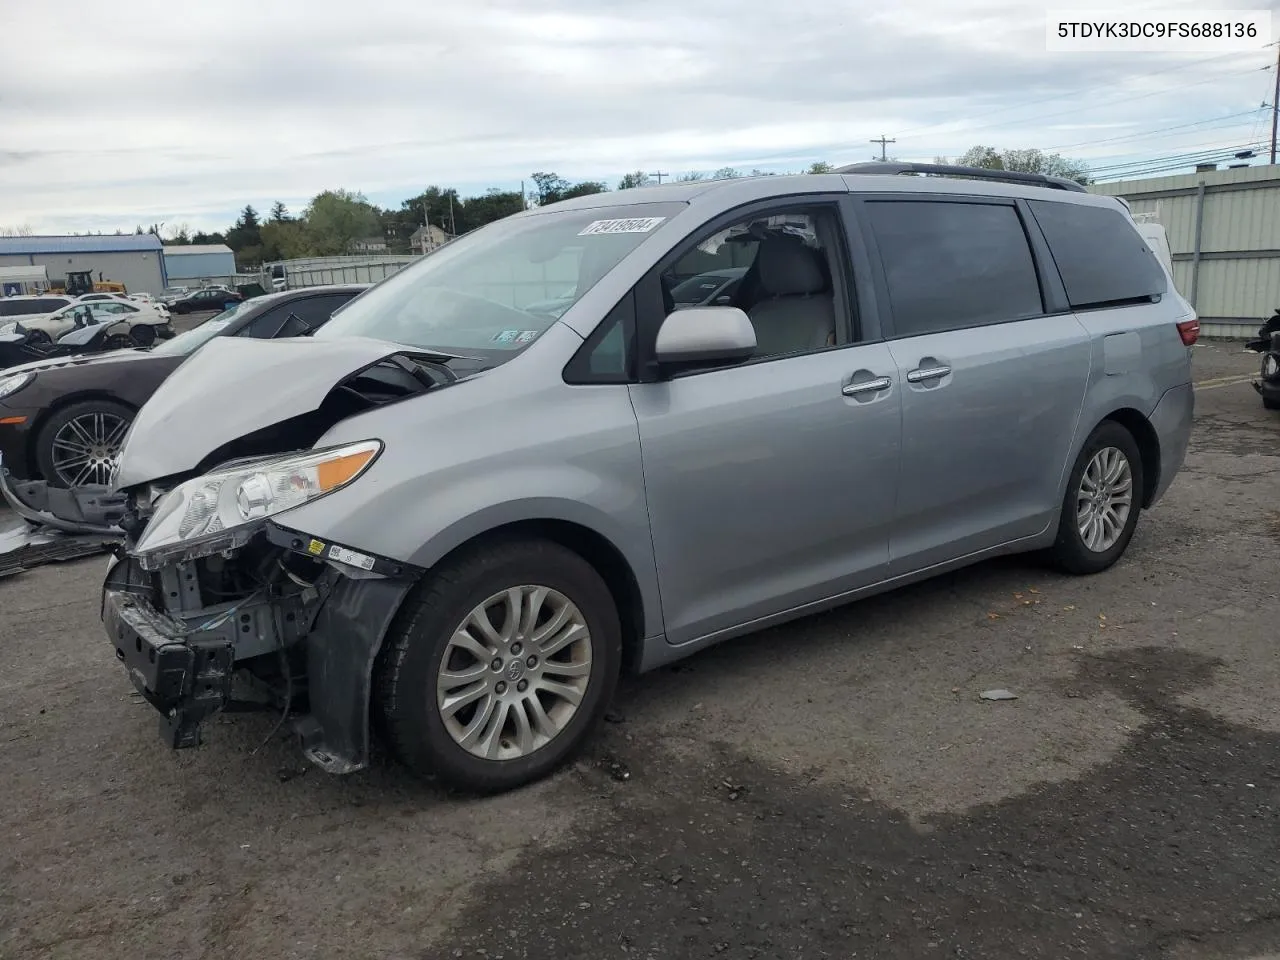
<point x="1166" y="850"/>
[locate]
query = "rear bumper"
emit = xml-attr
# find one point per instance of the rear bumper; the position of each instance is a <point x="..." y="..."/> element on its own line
<point x="1172" y="420"/>
<point x="1267" y="389"/>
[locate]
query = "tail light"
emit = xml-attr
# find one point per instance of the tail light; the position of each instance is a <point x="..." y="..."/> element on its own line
<point x="1189" y="331"/>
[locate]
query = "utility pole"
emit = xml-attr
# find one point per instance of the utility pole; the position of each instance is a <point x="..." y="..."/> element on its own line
<point x="883" y="143"/>
<point x="1275" y="105"/>
<point x="658" y="176"/>
<point x="453" y="224"/>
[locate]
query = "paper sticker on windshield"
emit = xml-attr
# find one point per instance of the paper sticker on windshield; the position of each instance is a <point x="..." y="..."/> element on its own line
<point x="633" y="225"/>
<point x="505" y="336"/>
<point x="526" y="336"/>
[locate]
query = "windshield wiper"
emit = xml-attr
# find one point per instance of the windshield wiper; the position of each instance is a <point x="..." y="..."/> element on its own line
<point x="421" y="366"/>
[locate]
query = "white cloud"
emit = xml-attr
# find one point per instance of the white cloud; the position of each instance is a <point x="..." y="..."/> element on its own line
<point x="150" y="111"/>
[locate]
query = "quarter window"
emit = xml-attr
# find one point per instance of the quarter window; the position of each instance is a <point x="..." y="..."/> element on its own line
<point x="1102" y="259"/>
<point x="954" y="265"/>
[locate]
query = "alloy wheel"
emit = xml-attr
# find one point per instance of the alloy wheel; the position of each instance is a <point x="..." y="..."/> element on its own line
<point x="1104" y="499"/>
<point x="85" y="449"/>
<point x="514" y="672"/>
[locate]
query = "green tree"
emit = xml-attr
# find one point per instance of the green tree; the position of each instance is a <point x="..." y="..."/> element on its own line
<point x="820" y="166"/>
<point x="726" y="173"/>
<point x="632" y="180"/>
<point x="692" y="177"/>
<point x="492" y="205"/>
<point x="585" y="188"/>
<point x="1024" y="161"/>
<point x="279" y="213"/>
<point x="337" y="217"/>
<point x="549" y="187"/>
<point x="245" y="236"/>
<point x="285" y="240"/>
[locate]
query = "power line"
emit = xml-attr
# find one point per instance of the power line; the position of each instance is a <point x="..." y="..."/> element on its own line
<point x="1079" y="92"/>
<point x="1191" y="155"/>
<point x="1141" y="96"/>
<point x="1169" y="164"/>
<point x="1146" y="133"/>
<point x="883" y="144"/>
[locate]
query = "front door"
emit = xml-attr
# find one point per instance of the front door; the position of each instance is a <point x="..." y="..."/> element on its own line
<point x="771" y="484"/>
<point x="992" y="386"/>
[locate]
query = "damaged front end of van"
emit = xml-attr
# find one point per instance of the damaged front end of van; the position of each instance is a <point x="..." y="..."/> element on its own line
<point x="216" y="600"/>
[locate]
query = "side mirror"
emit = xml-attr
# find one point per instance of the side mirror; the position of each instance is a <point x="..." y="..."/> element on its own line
<point x="705" y="335"/>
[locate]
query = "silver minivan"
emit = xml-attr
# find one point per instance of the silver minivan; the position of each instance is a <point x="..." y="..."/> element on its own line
<point x="453" y="516"/>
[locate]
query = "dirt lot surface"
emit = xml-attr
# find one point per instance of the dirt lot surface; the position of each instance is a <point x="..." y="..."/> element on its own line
<point x="834" y="788"/>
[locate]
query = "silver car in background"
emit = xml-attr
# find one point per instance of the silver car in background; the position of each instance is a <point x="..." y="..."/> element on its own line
<point x="460" y="510"/>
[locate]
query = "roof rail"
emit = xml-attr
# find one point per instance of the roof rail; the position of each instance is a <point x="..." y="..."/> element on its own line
<point x="949" y="170"/>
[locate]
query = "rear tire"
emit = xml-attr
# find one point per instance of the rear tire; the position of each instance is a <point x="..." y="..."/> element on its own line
<point x="143" y="334"/>
<point x="455" y="715"/>
<point x="39" y="338"/>
<point x="1104" y="496"/>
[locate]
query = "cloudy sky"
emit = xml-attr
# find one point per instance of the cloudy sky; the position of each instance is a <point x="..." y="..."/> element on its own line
<point x="142" y="111"/>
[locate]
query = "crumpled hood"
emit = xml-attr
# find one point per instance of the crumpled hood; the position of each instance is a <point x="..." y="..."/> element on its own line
<point x="231" y="387"/>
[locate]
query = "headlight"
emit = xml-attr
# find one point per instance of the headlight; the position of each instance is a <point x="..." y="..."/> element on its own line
<point x="223" y="510"/>
<point x="11" y="385"/>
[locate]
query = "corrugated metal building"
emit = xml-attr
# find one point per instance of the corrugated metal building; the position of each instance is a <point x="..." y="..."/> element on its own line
<point x="199" y="261"/>
<point x="1224" y="234"/>
<point x="135" y="260"/>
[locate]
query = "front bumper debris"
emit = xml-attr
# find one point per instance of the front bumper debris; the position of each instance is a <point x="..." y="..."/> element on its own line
<point x="186" y="676"/>
<point x="52" y="525"/>
<point x="301" y="639"/>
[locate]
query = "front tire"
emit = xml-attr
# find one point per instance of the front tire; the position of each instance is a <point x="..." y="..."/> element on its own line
<point x="1100" y="508"/>
<point x="499" y="666"/>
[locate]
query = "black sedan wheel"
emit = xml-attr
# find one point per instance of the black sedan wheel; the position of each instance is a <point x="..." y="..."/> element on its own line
<point x="80" y="443"/>
<point x="144" y="334"/>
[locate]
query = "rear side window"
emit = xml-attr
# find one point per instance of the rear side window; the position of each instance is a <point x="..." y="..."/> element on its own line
<point x="26" y="308"/>
<point x="1102" y="259"/>
<point x="954" y="265"/>
<point x="317" y="310"/>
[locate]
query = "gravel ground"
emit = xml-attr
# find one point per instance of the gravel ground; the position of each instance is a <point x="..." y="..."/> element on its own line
<point x="834" y="788"/>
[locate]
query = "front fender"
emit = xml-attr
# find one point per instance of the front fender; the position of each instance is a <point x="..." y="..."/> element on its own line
<point x="341" y="651"/>
<point x="422" y="520"/>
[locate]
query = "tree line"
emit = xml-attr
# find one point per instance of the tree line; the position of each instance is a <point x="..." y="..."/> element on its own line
<point x="334" y="221"/>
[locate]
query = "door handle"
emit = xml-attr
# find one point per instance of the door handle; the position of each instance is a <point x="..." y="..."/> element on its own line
<point x="866" y="386"/>
<point x="927" y="373"/>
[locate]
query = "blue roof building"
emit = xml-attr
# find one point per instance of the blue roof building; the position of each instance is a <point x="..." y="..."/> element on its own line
<point x="136" y="260"/>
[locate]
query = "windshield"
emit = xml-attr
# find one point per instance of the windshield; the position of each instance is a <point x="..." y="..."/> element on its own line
<point x="491" y="293"/>
<point x="197" y="336"/>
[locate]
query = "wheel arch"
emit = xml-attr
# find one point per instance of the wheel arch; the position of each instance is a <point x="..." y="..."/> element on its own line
<point x="1144" y="435"/>
<point x="57" y="406"/>
<point x="605" y="557"/>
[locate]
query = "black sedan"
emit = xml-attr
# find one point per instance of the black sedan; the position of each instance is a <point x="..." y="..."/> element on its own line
<point x="63" y="420"/>
<point x="213" y="298"/>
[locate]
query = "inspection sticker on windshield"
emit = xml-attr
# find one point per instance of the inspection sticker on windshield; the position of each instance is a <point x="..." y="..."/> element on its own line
<point x="351" y="558"/>
<point x="633" y="225"/>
